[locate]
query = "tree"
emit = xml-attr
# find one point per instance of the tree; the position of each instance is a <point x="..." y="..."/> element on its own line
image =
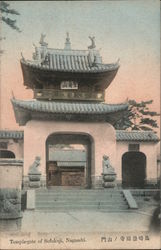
<point x="138" y="117"/>
<point x="6" y="15"/>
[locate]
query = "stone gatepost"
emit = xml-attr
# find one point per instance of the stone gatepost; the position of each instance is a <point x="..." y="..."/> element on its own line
<point x="10" y="188"/>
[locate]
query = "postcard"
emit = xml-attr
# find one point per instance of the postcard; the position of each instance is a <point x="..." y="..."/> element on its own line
<point x="79" y="124"/>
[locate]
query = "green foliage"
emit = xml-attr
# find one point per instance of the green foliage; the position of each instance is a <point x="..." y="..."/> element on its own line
<point x="6" y="15"/>
<point x="138" y="117"/>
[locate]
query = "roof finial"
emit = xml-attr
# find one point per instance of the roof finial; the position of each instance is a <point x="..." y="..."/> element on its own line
<point x="67" y="42"/>
<point x="22" y="56"/>
<point x="42" y="42"/>
<point x="67" y="38"/>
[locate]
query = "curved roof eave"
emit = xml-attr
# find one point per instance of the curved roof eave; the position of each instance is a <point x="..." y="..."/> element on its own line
<point x="69" y="107"/>
<point x="72" y="68"/>
<point x="27" y="110"/>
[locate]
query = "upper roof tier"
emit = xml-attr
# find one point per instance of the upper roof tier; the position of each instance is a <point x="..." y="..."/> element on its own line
<point x="50" y="67"/>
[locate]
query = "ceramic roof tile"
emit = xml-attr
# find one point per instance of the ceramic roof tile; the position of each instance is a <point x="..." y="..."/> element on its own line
<point x="72" y="63"/>
<point x="122" y="135"/>
<point x="69" y="107"/>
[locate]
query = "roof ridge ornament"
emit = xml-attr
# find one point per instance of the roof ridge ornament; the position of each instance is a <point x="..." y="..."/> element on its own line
<point x="118" y="61"/>
<point x="67" y="38"/>
<point x="22" y="57"/>
<point x="42" y="42"/>
<point x="93" y="45"/>
<point x="67" y="42"/>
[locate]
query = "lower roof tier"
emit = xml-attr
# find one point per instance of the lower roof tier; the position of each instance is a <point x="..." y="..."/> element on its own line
<point x="66" y="111"/>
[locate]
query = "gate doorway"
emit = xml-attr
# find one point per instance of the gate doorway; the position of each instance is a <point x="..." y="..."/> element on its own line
<point x="133" y="169"/>
<point x="68" y="160"/>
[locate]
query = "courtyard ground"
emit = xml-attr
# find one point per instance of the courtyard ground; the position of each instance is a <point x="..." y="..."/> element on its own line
<point x="89" y="226"/>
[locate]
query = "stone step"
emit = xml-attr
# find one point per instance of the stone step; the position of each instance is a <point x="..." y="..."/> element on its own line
<point x="78" y="194"/>
<point x="71" y="199"/>
<point x="109" y="191"/>
<point x="82" y="207"/>
<point x="61" y="196"/>
<point x="75" y="199"/>
<point x="106" y="210"/>
<point x="80" y="202"/>
<point x="65" y="199"/>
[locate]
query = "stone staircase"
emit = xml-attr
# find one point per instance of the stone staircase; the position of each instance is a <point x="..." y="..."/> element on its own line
<point x="80" y="199"/>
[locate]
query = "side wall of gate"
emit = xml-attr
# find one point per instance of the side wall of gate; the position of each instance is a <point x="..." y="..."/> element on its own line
<point x="36" y="133"/>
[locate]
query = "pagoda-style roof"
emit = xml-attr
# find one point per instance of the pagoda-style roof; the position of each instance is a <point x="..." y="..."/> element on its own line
<point x="54" y="68"/>
<point x="69" y="107"/>
<point x="148" y="136"/>
<point x="73" y="111"/>
<point x="72" y="61"/>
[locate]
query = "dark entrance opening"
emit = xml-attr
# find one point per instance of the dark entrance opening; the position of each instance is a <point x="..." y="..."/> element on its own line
<point x="133" y="169"/>
<point x="68" y="160"/>
<point x="6" y="154"/>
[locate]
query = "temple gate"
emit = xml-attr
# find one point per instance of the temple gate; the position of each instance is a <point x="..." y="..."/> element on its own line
<point x="69" y="90"/>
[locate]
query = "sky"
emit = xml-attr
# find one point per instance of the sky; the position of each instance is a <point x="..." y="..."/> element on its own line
<point x="129" y="30"/>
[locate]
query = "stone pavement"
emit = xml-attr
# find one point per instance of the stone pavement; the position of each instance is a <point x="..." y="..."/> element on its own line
<point x="82" y="230"/>
<point x="84" y="221"/>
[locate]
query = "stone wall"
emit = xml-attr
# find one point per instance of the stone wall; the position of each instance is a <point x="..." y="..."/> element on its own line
<point x="11" y="171"/>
